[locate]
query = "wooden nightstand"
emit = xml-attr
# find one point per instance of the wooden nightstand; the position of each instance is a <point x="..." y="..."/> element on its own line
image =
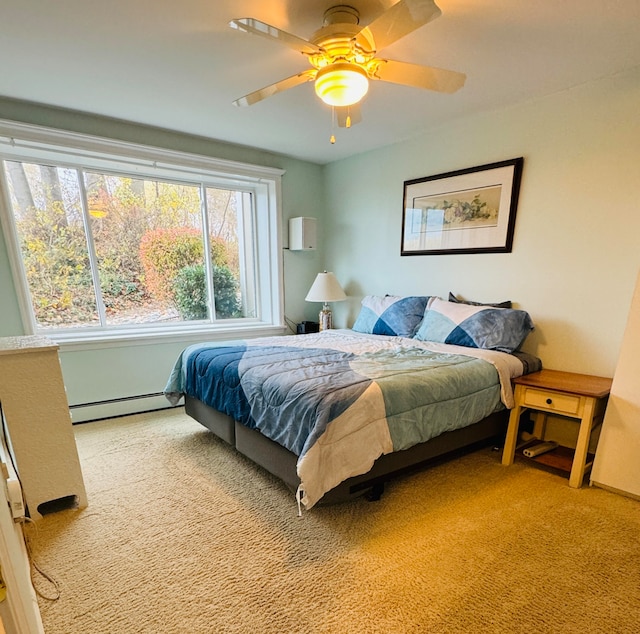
<point x="578" y="396"/>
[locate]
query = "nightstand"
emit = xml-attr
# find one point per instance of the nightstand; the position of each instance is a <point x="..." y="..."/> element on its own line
<point x="579" y="396"/>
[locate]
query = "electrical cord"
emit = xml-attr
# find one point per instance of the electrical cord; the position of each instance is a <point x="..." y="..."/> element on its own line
<point x="35" y="566"/>
<point x="293" y="327"/>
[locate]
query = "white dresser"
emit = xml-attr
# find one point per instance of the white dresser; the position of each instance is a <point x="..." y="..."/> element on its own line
<point x="36" y="417"/>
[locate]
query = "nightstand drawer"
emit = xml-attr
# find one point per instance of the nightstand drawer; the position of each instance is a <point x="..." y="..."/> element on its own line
<point x="554" y="401"/>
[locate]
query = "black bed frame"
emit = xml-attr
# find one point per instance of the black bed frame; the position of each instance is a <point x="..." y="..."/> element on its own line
<point x="282" y="463"/>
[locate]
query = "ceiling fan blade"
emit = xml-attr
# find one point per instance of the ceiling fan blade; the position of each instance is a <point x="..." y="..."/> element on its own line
<point x="249" y="25"/>
<point x="427" y="77"/>
<point x="280" y="86"/>
<point x="400" y="20"/>
<point x="348" y="115"/>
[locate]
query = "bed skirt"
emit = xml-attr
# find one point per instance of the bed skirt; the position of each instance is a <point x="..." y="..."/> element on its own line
<point x="281" y="462"/>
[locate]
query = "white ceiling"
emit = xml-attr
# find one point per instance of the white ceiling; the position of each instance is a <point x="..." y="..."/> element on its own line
<point x="176" y="64"/>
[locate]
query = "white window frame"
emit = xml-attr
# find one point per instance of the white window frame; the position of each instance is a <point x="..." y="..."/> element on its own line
<point x="36" y="144"/>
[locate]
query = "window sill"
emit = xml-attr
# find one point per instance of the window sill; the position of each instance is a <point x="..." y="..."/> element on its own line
<point x="72" y="342"/>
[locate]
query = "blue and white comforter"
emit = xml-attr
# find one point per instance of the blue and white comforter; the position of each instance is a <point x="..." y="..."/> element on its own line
<point x="340" y="399"/>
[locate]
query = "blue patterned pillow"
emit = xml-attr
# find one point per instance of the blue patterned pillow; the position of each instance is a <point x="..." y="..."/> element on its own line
<point x="485" y="327"/>
<point x="390" y="315"/>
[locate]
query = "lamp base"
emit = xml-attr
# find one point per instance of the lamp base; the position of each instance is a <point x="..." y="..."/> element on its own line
<point x="325" y="319"/>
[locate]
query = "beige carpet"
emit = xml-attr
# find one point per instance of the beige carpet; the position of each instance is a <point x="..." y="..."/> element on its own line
<point x="184" y="535"/>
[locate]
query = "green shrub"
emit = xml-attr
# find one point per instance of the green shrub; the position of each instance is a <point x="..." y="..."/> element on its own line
<point x="190" y="292"/>
<point x="227" y="301"/>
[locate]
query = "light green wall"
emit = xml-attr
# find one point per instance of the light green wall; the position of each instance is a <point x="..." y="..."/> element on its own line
<point x="576" y="251"/>
<point x="122" y="371"/>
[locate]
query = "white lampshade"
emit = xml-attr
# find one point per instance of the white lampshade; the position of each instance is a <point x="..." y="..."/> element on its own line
<point x="325" y="288"/>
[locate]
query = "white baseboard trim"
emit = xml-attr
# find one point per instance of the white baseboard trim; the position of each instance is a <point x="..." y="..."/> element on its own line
<point x="117" y="407"/>
<point x="611" y="489"/>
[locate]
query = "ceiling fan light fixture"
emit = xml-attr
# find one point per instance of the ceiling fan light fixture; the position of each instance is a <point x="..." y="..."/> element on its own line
<point x="341" y="84"/>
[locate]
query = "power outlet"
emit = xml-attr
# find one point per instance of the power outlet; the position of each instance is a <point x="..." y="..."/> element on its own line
<point x="14" y="493"/>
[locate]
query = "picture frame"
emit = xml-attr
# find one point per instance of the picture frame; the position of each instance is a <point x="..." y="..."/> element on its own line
<point x="470" y="210"/>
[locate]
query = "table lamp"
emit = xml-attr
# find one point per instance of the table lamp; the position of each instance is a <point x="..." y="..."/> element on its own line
<point x="325" y="288"/>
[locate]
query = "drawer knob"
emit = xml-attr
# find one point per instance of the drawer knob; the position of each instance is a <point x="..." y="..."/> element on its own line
<point x="549" y="401"/>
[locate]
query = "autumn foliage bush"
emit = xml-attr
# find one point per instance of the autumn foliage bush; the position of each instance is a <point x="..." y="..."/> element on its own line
<point x="163" y="252"/>
<point x="173" y="263"/>
<point x="57" y="267"/>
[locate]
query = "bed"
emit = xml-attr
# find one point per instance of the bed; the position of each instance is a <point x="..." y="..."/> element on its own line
<point x="337" y="413"/>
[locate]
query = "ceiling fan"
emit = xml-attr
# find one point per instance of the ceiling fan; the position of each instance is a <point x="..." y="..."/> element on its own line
<point x="343" y="56"/>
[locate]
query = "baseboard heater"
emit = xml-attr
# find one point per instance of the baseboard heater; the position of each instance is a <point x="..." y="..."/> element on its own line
<point x="114" y="407"/>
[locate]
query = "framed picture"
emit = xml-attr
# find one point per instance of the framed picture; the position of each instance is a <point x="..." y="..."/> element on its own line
<point x="468" y="211"/>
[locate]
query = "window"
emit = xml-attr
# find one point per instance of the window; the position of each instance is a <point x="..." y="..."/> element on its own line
<point x="112" y="240"/>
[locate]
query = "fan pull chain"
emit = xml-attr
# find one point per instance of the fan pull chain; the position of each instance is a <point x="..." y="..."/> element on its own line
<point x="332" y="138"/>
